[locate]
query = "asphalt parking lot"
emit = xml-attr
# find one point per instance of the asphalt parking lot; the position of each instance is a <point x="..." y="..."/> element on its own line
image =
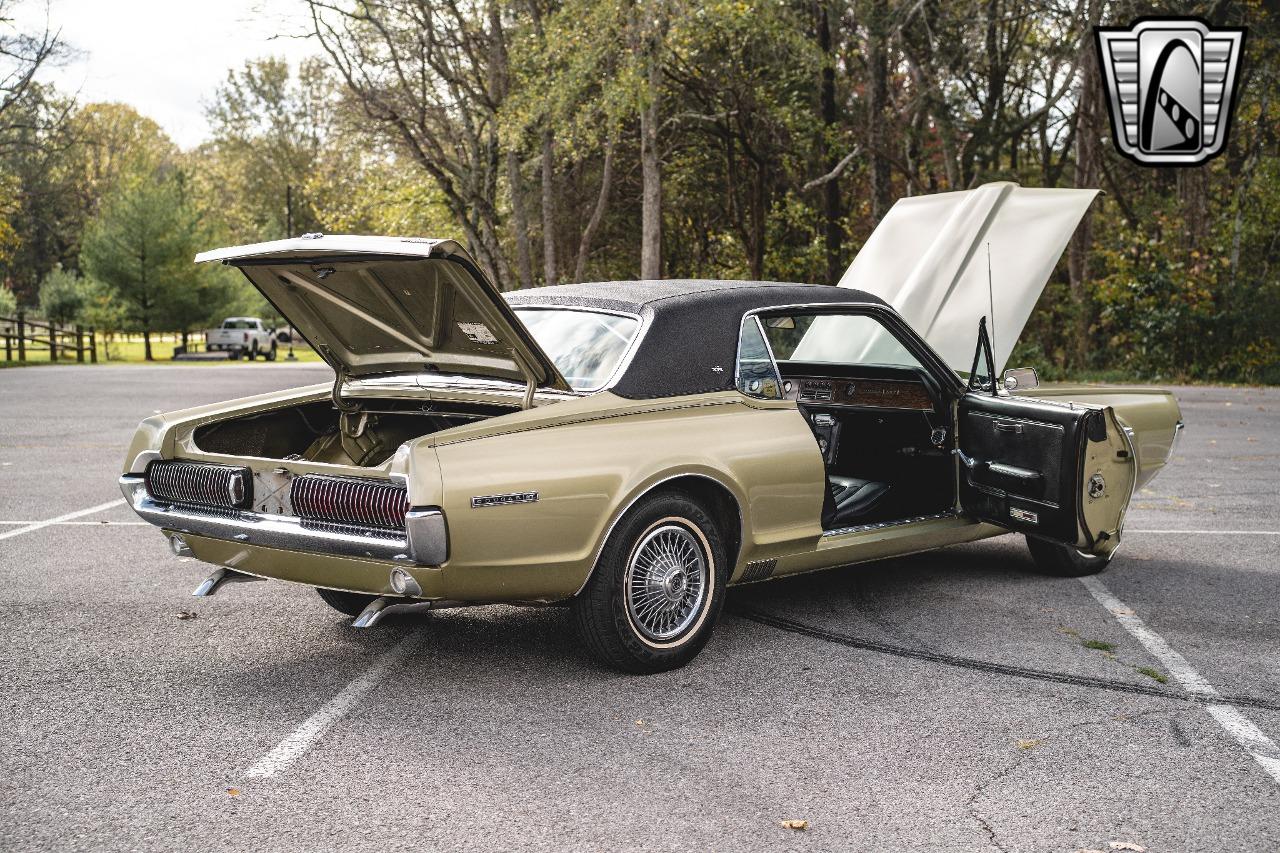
<point x="950" y="701"/>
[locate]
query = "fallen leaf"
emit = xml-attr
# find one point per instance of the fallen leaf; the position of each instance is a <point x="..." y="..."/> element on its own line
<point x="1127" y="845"/>
<point x="188" y="614"/>
<point x="233" y="792"/>
<point x="797" y="825"/>
<point x="1031" y="743"/>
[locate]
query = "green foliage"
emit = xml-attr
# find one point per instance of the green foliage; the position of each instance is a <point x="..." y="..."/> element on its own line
<point x="490" y="123"/>
<point x="8" y="302"/>
<point x="64" y="296"/>
<point x="141" y="246"/>
<point x="270" y="126"/>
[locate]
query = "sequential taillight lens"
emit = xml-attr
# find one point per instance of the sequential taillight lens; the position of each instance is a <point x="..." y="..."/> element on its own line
<point x="350" y="500"/>
<point x="200" y="484"/>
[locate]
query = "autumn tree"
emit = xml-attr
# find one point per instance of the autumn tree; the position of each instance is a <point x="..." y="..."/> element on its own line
<point x="141" y="245"/>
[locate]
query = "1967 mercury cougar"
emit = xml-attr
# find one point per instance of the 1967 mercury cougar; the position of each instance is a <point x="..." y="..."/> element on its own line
<point x="634" y="448"/>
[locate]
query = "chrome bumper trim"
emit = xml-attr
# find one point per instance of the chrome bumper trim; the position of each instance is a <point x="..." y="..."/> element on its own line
<point x="427" y="543"/>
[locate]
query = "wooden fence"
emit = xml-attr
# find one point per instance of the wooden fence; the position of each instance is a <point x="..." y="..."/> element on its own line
<point x="23" y="337"/>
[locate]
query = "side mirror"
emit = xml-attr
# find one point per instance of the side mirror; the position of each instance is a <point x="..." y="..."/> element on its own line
<point x="1020" y="378"/>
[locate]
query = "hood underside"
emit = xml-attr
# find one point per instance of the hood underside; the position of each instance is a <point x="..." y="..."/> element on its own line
<point x="380" y="305"/>
<point x="928" y="259"/>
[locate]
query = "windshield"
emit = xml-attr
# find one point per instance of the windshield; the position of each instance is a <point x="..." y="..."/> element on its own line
<point x="586" y="346"/>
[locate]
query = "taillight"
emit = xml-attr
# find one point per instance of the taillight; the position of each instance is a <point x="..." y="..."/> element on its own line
<point x="200" y="484"/>
<point x="349" y="500"/>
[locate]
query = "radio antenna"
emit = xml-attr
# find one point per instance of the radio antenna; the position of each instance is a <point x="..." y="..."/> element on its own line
<point x="991" y="298"/>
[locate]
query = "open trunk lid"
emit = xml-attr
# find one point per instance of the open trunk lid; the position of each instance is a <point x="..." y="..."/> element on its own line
<point x="928" y="259"/>
<point x="380" y="305"/>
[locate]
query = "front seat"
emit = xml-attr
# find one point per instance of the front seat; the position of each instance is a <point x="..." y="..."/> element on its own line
<point x="853" y="499"/>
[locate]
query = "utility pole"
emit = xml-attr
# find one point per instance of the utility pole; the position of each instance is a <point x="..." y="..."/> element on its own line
<point x="288" y="224"/>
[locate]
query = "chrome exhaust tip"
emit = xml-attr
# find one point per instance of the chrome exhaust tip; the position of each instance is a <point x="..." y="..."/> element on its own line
<point x="179" y="546"/>
<point x="403" y="583"/>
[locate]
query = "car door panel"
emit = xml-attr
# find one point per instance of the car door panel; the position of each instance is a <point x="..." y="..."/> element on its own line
<point x="1030" y="466"/>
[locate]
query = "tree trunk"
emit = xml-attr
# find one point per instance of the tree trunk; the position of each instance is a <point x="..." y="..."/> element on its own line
<point x="1194" y="192"/>
<point x="1085" y="176"/>
<point x="878" y="91"/>
<point x="597" y="215"/>
<point x="759" y="206"/>
<point x="832" y="228"/>
<point x="519" y="220"/>
<point x="548" y="209"/>
<point x="651" y="176"/>
<point x="146" y="342"/>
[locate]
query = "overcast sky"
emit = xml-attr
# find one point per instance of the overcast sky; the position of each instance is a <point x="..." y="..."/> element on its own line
<point x="166" y="58"/>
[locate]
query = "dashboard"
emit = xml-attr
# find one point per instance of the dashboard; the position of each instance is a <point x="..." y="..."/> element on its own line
<point x="874" y="387"/>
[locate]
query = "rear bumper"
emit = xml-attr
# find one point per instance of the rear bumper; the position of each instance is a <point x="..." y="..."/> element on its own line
<point x="425" y="543"/>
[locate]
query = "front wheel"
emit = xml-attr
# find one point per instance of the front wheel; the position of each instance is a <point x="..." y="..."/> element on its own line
<point x="1054" y="558"/>
<point x="657" y="589"/>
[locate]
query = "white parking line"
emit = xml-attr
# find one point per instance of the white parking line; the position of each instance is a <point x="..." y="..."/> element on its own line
<point x="301" y="739"/>
<point x="1215" y="532"/>
<point x="37" y="525"/>
<point x="82" y="523"/>
<point x="1249" y="736"/>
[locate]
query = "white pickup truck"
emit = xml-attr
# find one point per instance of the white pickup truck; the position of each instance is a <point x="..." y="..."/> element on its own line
<point x="242" y="336"/>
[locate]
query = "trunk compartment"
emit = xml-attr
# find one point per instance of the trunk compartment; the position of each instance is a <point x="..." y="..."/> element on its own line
<point x="318" y="432"/>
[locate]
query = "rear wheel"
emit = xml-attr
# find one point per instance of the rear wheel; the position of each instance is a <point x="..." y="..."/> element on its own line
<point x="253" y="352"/>
<point x="657" y="590"/>
<point x="350" y="603"/>
<point x="1054" y="558"/>
<point x="271" y="353"/>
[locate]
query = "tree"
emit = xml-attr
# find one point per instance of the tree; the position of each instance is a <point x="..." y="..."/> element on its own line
<point x="63" y="296"/>
<point x="270" y="127"/>
<point x="8" y="302"/>
<point x="21" y="55"/>
<point x="141" y="245"/>
<point x="423" y="75"/>
<point x="44" y="202"/>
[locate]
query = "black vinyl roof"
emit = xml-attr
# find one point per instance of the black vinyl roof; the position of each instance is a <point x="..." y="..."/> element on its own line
<point x="692" y="325"/>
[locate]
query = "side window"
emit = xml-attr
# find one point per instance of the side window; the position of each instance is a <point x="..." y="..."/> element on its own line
<point x="835" y="339"/>
<point x="755" y="373"/>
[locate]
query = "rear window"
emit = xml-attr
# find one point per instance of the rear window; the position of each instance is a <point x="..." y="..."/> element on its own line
<point x="587" y="347"/>
<point x="239" y="324"/>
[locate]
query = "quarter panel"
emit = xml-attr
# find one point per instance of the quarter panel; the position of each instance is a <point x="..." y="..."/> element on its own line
<point x="586" y="475"/>
<point x="1152" y="414"/>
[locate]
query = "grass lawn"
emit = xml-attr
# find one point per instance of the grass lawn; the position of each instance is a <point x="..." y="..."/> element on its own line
<point x="131" y="350"/>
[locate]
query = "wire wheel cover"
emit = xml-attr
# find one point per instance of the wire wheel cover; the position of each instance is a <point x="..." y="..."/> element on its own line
<point x="666" y="582"/>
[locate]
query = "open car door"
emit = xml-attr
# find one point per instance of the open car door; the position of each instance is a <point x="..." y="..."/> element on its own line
<point x="1060" y="471"/>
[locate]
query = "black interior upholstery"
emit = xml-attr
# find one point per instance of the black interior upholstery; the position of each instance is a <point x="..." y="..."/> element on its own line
<point x="853" y="498"/>
<point x="882" y="463"/>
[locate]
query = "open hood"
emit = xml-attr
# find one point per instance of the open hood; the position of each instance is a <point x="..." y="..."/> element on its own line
<point x="376" y="305"/>
<point x="928" y="259"/>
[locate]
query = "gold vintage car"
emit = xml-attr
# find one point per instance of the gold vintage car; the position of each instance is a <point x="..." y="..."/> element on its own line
<point x="634" y="448"/>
